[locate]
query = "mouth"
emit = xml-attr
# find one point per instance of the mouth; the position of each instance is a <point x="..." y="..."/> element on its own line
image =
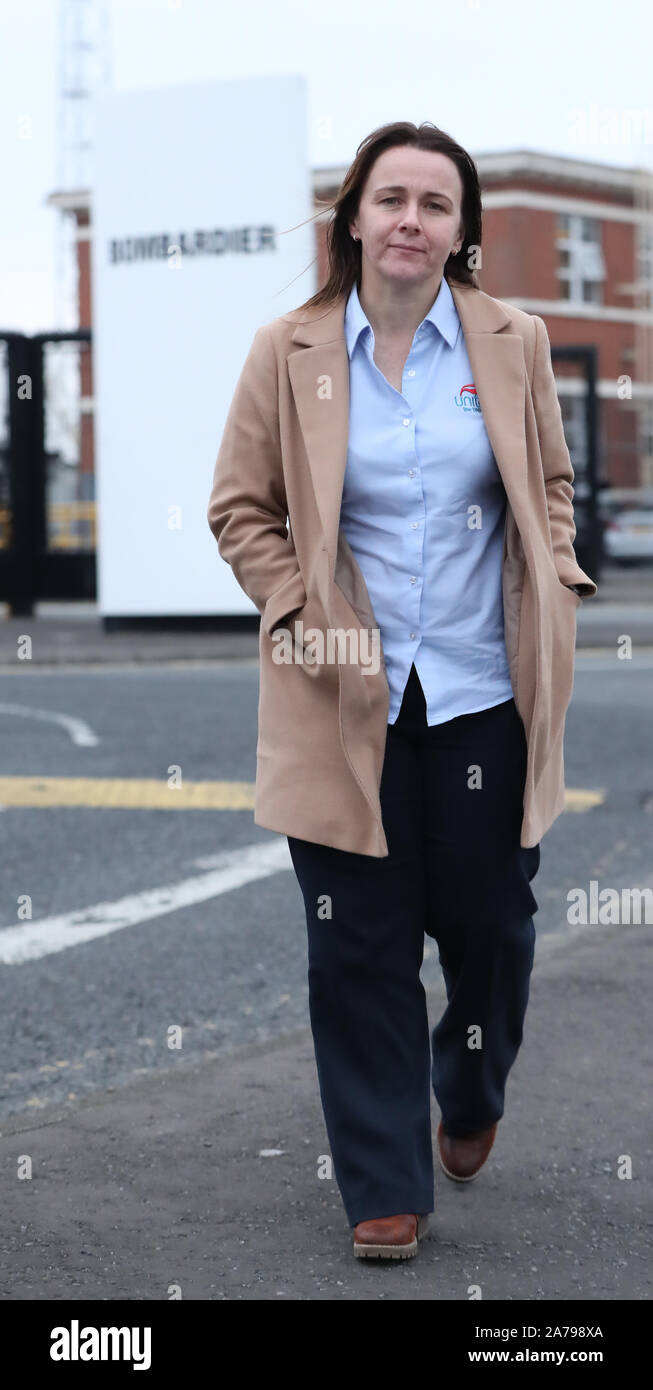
<point x="414" y="250"/>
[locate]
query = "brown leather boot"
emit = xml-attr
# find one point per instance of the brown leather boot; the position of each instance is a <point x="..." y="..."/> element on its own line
<point x="389" y="1237"/>
<point x="461" y="1159"/>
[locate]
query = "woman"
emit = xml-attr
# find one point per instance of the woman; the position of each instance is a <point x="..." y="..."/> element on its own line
<point x="407" y="427"/>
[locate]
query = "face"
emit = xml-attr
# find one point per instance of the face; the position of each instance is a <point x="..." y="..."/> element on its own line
<point x="411" y="199"/>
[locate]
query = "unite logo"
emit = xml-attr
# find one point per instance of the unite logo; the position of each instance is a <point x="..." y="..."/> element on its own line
<point x="467" y="399"/>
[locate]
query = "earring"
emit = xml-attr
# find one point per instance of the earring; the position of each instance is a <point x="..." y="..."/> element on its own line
<point x="354" y="236"/>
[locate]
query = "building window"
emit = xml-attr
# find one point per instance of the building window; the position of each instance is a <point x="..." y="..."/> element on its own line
<point x="644" y="254"/>
<point x="646" y="429"/>
<point x="574" y="419"/>
<point x="581" y="268"/>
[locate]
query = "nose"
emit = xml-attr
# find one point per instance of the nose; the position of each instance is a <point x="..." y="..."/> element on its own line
<point x="410" y="218"/>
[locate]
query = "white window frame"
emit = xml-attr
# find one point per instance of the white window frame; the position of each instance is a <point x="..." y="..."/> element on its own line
<point x="583" y="269"/>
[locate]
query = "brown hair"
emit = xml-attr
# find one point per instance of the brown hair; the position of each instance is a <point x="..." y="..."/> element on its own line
<point x="344" y="254"/>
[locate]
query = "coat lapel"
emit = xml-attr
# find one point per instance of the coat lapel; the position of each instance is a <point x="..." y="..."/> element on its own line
<point x="319" y="376"/>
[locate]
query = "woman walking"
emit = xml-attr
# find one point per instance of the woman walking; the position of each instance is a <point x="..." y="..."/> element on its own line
<point x="406" y="425"/>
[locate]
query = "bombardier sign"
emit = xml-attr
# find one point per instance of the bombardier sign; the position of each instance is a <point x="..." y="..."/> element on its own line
<point x="212" y="181"/>
<point x="219" y="241"/>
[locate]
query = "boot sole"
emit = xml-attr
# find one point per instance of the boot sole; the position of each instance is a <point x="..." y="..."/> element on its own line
<point x="455" y="1177"/>
<point x="393" y="1252"/>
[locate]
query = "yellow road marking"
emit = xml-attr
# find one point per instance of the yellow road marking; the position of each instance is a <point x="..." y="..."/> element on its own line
<point x="582" y="799"/>
<point x="126" y="793"/>
<point x="132" y="793"/>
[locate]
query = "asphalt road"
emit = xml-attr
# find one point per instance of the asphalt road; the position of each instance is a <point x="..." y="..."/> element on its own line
<point x="218" y="952"/>
<point x="158" y="1075"/>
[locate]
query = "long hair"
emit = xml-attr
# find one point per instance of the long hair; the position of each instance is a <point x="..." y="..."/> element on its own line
<point x="344" y="254"/>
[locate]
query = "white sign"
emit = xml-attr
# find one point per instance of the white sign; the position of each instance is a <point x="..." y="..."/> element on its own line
<point x="194" y="187"/>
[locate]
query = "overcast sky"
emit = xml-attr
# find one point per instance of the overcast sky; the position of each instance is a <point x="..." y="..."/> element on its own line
<point x="559" y="76"/>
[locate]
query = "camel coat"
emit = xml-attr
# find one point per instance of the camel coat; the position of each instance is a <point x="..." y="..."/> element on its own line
<point x="322" y="727"/>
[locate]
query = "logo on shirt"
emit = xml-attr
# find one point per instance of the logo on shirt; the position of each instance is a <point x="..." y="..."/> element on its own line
<point x="467" y="399"/>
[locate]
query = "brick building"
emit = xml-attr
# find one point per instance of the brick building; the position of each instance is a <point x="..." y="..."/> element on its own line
<point x="568" y="239"/>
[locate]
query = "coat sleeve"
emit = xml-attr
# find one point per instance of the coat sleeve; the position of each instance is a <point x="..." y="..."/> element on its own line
<point x="247" y="510"/>
<point x="556" y="463"/>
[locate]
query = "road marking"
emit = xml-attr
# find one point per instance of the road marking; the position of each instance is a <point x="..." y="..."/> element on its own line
<point x="582" y="798"/>
<point x="32" y="940"/>
<point x="138" y="793"/>
<point x="127" y="793"/>
<point x="600" y="659"/>
<point x="80" y="732"/>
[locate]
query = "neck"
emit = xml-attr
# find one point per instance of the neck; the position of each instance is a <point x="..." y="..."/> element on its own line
<point x="395" y="310"/>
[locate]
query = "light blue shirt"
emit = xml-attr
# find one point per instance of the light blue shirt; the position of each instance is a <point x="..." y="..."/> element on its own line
<point x="423" y="508"/>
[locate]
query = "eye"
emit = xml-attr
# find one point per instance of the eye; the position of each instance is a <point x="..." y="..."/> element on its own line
<point x="394" y="199"/>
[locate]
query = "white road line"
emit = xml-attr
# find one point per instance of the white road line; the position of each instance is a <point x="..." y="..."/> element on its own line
<point x="591" y="660"/>
<point x="80" y="732"/>
<point x="32" y="940"/>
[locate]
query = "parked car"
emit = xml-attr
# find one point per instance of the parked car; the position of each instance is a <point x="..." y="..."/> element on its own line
<point x="628" y="536"/>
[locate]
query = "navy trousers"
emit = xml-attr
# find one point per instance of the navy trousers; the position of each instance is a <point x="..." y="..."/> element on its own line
<point x="451" y="800"/>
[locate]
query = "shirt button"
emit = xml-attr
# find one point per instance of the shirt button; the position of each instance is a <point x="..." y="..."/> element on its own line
<point x="411" y="472"/>
<point x="406" y="421"/>
<point x="411" y="371"/>
<point x="412" y="634"/>
<point x="414" y="525"/>
<point x="413" y="578"/>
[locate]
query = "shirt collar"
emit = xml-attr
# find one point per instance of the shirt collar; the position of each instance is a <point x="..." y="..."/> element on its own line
<point x="442" y="314"/>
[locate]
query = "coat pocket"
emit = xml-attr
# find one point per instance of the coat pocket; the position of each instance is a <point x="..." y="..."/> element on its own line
<point x="576" y="597"/>
<point x="285" y="601"/>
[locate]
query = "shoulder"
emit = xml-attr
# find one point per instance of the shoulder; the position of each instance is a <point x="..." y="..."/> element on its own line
<point x="272" y="340"/>
<point x="483" y="312"/>
<point x="283" y="327"/>
<point x="529" y="327"/>
<point x="521" y="321"/>
<point x="279" y="332"/>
